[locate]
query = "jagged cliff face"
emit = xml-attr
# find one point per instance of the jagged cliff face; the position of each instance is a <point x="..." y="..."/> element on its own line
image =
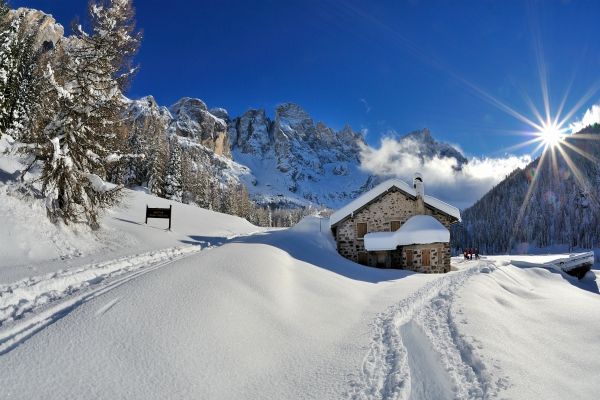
<point x="294" y="158"/>
<point x="145" y="113"/>
<point x="49" y="32"/>
<point x="192" y="119"/>
<point x="201" y="134"/>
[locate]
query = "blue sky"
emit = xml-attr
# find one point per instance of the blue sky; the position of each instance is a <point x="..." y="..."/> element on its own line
<point x="380" y="66"/>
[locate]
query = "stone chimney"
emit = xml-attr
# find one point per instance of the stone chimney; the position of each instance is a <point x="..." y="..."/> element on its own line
<point x="420" y="192"/>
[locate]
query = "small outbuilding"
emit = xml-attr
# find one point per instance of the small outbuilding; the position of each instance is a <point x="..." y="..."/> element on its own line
<point x="395" y="225"/>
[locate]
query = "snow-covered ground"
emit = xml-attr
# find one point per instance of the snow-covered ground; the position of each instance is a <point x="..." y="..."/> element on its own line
<point x="220" y="309"/>
<point x="31" y="245"/>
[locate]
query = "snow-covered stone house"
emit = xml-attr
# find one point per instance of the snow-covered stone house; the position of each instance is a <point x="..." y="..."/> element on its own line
<point x="395" y="225"/>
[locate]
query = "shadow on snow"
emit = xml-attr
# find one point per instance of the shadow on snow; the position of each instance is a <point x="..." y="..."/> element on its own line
<point x="313" y="247"/>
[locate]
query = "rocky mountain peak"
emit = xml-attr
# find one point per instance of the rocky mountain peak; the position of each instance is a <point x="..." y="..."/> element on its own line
<point x="291" y="111"/>
<point x="425" y="146"/>
<point x="191" y="119"/>
<point x="49" y="32"/>
<point x="420" y="135"/>
<point x="189" y="106"/>
<point x="220" y="113"/>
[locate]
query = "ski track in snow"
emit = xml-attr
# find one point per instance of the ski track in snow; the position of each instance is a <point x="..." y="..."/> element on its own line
<point x="417" y="351"/>
<point x="30" y="305"/>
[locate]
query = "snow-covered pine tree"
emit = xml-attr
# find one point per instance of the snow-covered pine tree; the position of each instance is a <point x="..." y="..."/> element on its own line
<point x="157" y="165"/>
<point x="136" y="168"/>
<point x="83" y="104"/>
<point x="24" y="85"/>
<point x="173" y="179"/>
<point x="203" y="196"/>
<point x="4" y="9"/>
<point x="5" y="63"/>
<point x="9" y="71"/>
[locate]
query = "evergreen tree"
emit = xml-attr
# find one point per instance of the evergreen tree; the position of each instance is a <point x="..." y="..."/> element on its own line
<point x="157" y="162"/>
<point x="76" y="135"/>
<point x="24" y="86"/>
<point x="173" y="179"/>
<point x="9" y="68"/>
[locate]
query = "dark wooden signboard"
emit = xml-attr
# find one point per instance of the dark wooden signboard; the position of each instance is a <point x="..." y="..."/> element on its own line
<point x="164" y="213"/>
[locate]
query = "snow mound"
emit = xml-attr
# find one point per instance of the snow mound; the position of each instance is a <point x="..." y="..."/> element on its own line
<point x="419" y="229"/>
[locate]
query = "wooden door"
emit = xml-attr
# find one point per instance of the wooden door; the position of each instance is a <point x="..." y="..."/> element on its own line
<point x="409" y="258"/>
<point x="363" y="258"/>
<point x="426" y="257"/>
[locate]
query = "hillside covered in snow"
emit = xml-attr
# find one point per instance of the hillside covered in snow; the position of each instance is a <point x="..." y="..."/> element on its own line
<point x="553" y="203"/>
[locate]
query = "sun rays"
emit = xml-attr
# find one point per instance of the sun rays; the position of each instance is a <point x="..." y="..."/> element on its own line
<point x="550" y="136"/>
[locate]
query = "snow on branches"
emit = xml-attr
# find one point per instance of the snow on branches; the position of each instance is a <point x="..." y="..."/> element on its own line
<point x="78" y="134"/>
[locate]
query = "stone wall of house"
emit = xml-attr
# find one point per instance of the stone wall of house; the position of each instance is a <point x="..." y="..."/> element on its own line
<point x="439" y="257"/>
<point x="393" y="206"/>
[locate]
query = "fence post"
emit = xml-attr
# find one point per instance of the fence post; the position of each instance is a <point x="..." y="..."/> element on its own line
<point x="146" y="214"/>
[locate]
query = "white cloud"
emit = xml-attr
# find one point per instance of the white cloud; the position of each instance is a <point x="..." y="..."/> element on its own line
<point x="591" y="116"/>
<point x="460" y="188"/>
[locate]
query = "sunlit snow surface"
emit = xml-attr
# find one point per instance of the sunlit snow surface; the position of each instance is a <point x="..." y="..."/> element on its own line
<point x="279" y="314"/>
<point x="219" y="309"/>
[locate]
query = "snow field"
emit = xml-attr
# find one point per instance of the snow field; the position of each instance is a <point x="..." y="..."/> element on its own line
<point x="21" y="297"/>
<point x="279" y="314"/>
<point x="41" y="296"/>
<point x="539" y="329"/>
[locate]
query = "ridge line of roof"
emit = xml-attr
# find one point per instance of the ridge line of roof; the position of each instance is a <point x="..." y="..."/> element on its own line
<point x="380" y="189"/>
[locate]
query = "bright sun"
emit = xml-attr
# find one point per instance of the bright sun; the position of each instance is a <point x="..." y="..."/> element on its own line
<point x="551" y="134"/>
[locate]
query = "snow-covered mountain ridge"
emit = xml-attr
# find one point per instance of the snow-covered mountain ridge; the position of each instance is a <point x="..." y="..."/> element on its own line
<point x="287" y="159"/>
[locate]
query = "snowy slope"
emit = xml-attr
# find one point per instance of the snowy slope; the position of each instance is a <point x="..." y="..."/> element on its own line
<point x="538" y="329"/>
<point x="279" y="314"/>
<point x="273" y="315"/>
<point x="31" y="245"/>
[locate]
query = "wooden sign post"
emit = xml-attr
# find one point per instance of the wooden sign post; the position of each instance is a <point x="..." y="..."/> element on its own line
<point x="164" y="213"/>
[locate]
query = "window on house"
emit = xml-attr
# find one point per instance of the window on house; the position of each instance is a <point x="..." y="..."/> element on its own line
<point x="394" y="226"/>
<point x="426" y="257"/>
<point x="361" y="230"/>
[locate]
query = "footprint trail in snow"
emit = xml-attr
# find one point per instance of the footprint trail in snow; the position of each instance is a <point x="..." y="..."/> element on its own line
<point x="417" y="351"/>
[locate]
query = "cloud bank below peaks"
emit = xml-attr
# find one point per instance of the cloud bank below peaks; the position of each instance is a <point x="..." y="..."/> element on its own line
<point x="445" y="177"/>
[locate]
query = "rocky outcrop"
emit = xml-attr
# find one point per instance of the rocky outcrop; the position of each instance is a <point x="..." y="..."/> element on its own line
<point x="250" y="133"/>
<point x="145" y="115"/>
<point x="192" y="119"/>
<point x="49" y="32"/>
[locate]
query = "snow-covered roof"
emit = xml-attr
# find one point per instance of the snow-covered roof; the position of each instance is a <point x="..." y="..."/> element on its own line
<point x="420" y="229"/>
<point x="384" y="187"/>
